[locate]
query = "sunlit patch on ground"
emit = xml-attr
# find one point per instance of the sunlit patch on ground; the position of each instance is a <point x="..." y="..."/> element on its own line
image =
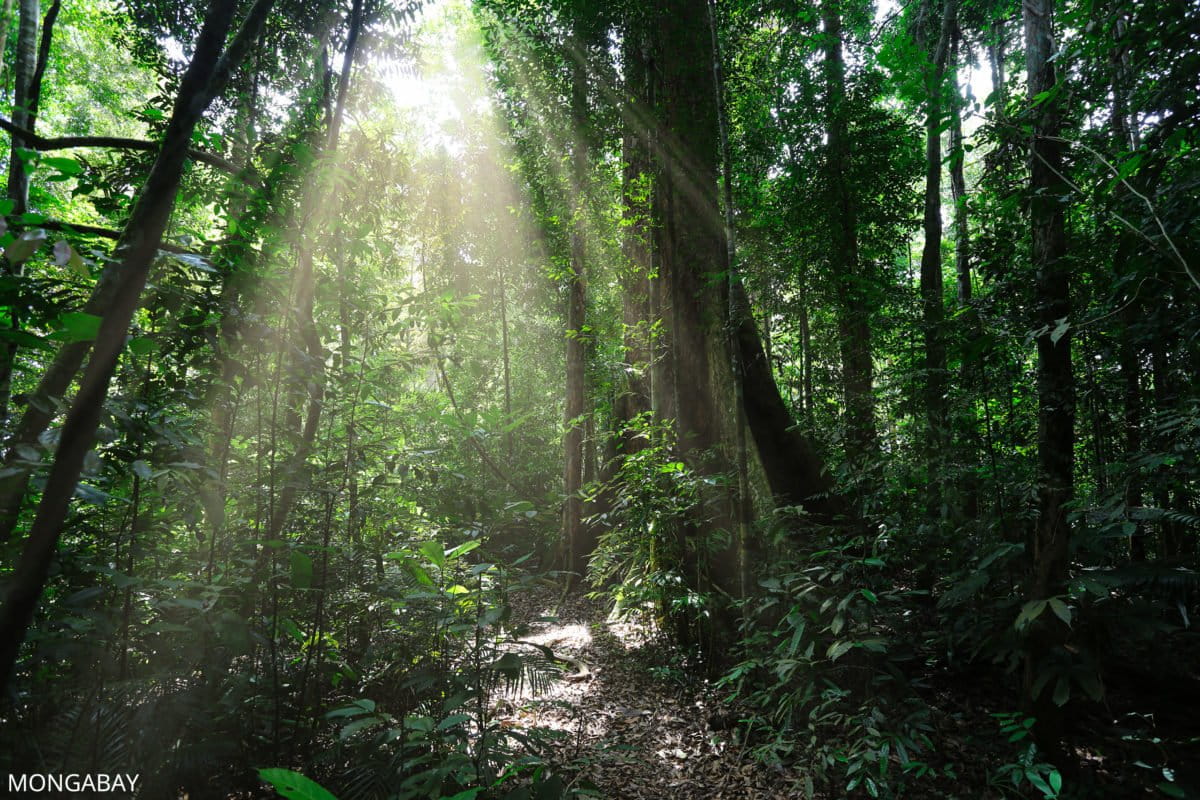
<point x="625" y="727"/>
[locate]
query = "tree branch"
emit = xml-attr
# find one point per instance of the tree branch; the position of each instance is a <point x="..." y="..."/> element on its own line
<point x="41" y="143"/>
<point x="104" y="233"/>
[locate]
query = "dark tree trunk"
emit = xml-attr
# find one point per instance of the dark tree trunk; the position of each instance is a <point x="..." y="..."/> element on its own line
<point x="958" y="186"/>
<point x="578" y="548"/>
<point x="1048" y="552"/>
<point x="634" y="397"/>
<point x="1128" y="351"/>
<point x="205" y="77"/>
<point x="933" y="311"/>
<point x="854" y="330"/>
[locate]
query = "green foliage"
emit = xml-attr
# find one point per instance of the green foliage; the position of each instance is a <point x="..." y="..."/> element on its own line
<point x="654" y="505"/>
<point x="294" y="786"/>
<point x="825" y="675"/>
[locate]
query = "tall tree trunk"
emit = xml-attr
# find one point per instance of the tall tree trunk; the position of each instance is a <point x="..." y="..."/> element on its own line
<point x="737" y="308"/>
<point x="1128" y="351"/>
<point x="26" y="80"/>
<point x="5" y="16"/>
<point x="23" y="72"/>
<point x="57" y="377"/>
<point x="854" y="330"/>
<point x="205" y="77"/>
<point x="502" y="279"/>
<point x="933" y="311"/>
<point x="693" y="263"/>
<point x="634" y="397"/>
<point x="577" y="548"/>
<point x="1055" y="379"/>
<point x="996" y="57"/>
<point x="958" y="184"/>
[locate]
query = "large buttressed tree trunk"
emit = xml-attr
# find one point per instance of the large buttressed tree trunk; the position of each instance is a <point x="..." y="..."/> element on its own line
<point x="693" y="265"/>
<point x="1055" y="380"/>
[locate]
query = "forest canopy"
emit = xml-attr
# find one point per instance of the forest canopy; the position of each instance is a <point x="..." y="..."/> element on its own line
<point x="563" y="398"/>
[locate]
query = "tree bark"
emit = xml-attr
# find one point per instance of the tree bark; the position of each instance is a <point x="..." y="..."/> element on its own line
<point x="1055" y="379"/>
<point x="634" y="397"/>
<point x="578" y="548"/>
<point x="854" y="330"/>
<point x="23" y="72"/>
<point x="958" y="186"/>
<point x="933" y="311"/>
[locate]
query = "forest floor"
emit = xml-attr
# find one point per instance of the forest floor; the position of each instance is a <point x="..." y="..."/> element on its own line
<point x="631" y="722"/>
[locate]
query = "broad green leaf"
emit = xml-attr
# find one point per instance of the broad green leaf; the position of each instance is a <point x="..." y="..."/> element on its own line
<point x="76" y="326"/>
<point x="1060" y="330"/>
<point x="1060" y="609"/>
<point x="468" y="794"/>
<point x="294" y="786"/>
<point x="433" y="551"/>
<point x="69" y="167"/>
<point x="1062" y="692"/>
<point x="143" y="345"/>
<point x="1039" y="783"/>
<point x="462" y="549"/>
<point x="24" y="339"/>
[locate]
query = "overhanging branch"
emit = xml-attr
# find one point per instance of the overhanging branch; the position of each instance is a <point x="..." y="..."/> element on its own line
<point x="41" y="143"/>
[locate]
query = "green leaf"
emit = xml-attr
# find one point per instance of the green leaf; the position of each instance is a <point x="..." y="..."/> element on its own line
<point x="452" y="720"/>
<point x="1062" y="692"/>
<point x="24" y="339"/>
<point x="1039" y="783"/>
<point x="462" y="549"/>
<point x="867" y="593"/>
<point x="24" y="246"/>
<point x="418" y="572"/>
<point x="467" y="794"/>
<point x="1060" y="610"/>
<point x="1055" y="781"/>
<point x="358" y="726"/>
<point x="76" y="326"/>
<point x="143" y="345"/>
<point x="1171" y="790"/>
<point x="295" y="786"/>
<point x="433" y="551"/>
<point x="69" y="167"/>
<point x="1029" y="612"/>
<point x="302" y="570"/>
<point x="838" y="649"/>
<point x="1060" y="330"/>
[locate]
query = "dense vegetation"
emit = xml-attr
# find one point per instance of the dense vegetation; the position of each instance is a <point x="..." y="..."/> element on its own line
<point x="850" y="347"/>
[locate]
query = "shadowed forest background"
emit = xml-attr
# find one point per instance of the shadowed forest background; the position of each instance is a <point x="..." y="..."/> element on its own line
<point x="564" y="398"/>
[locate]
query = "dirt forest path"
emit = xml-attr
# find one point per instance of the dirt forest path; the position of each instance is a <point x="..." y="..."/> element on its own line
<point x="629" y="724"/>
